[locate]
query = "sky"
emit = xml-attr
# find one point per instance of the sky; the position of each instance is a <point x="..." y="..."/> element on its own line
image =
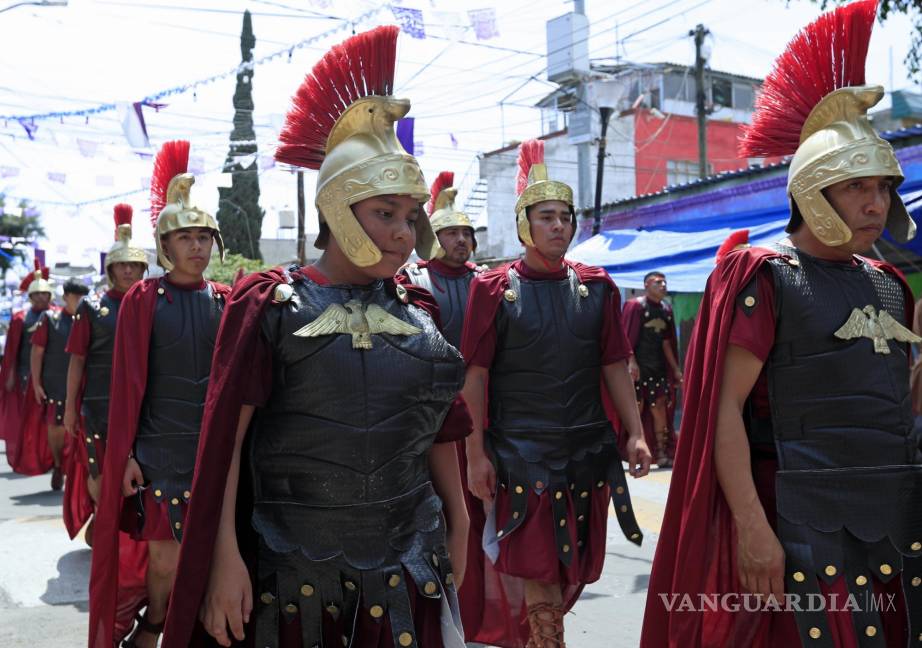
<point x="469" y="96"/>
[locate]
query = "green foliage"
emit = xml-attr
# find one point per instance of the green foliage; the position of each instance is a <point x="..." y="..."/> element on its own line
<point x="886" y="8"/>
<point x="24" y="223"/>
<point x="226" y="271"/>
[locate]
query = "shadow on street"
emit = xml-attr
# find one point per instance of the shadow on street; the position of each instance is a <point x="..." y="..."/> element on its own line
<point x="70" y="586"/>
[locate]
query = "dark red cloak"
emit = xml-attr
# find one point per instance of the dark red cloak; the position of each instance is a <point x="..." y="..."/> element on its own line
<point x="631" y="316"/>
<point x="116" y="594"/>
<point x="78" y="505"/>
<point x="238" y="341"/>
<point x="696" y="550"/>
<point x="27" y="449"/>
<point x="493" y="611"/>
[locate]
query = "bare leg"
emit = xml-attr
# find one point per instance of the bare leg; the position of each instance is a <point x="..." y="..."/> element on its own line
<point x="94" y="486"/>
<point x="161" y="570"/>
<point x="660" y="429"/>
<point x="545" y="614"/>
<point x="56" y="443"/>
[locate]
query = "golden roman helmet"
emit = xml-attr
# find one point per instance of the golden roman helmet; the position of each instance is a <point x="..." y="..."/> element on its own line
<point x="36" y="281"/>
<point x="813" y="105"/>
<point x="171" y="205"/>
<point x="533" y="186"/>
<point x="342" y="123"/>
<point x="838" y="143"/>
<point x="442" y="210"/>
<point x="123" y="251"/>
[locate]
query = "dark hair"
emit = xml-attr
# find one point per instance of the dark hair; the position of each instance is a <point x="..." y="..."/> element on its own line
<point x="796" y="219"/>
<point x="73" y="287"/>
<point x="654" y="273"/>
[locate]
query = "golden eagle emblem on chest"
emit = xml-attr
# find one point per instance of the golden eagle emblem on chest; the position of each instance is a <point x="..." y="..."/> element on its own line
<point x="877" y="326"/>
<point x="356" y="319"/>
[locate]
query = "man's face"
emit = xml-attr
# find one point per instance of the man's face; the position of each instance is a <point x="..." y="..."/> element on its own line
<point x="655" y="286"/>
<point x="551" y="227"/>
<point x="458" y="243"/>
<point x="40" y="300"/>
<point x="863" y="204"/>
<point x="125" y="274"/>
<point x="189" y="249"/>
<point x="390" y="222"/>
<point x="71" y="301"/>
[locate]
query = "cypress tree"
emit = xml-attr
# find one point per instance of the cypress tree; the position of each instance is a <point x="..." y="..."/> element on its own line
<point x="239" y="214"/>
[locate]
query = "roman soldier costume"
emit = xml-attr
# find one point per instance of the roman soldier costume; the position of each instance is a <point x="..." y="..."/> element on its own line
<point x="353" y="384"/>
<point x="450" y="286"/>
<point x="544" y="336"/>
<point x="835" y="461"/>
<point x="51" y="333"/>
<point x="26" y="436"/>
<point x="161" y="362"/>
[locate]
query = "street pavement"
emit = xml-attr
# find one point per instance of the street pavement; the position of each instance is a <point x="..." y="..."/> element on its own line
<point x="44" y="575"/>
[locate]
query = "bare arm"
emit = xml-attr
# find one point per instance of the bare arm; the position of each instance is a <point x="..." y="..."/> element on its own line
<point x="36" y="359"/>
<point x="669" y="352"/>
<point x="620" y="387"/>
<point x="481" y="476"/>
<point x="760" y="557"/>
<point x="446" y="479"/>
<point x="229" y="596"/>
<point x="74" y="379"/>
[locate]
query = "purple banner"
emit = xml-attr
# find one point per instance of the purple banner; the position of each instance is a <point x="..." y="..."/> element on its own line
<point x="405" y="134"/>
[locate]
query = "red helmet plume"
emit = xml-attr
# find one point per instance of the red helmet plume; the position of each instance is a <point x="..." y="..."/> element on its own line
<point x="444" y="180"/>
<point x="122" y="214"/>
<point x="735" y="240"/>
<point x="361" y="66"/>
<point x="171" y="160"/>
<point x="826" y="55"/>
<point x="29" y="278"/>
<point x="531" y="152"/>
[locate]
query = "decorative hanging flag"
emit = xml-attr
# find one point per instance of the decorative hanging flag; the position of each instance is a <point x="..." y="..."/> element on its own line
<point x="411" y="21"/>
<point x="8" y="172"/>
<point x="266" y="162"/>
<point x="405" y="134"/>
<point x="56" y="176"/>
<point x="418" y="148"/>
<point x="40" y="257"/>
<point x="30" y="128"/>
<point x="454" y="140"/>
<point x="484" y="23"/>
<point x="133" y="126"/>
<point x="449" y="23"/>
<point x="87" y="147"/>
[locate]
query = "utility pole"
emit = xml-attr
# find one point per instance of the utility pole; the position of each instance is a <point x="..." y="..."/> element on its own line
<point x="699" y="33"/>
<point x="301" y="259"/>
<point x="583" y="153"/>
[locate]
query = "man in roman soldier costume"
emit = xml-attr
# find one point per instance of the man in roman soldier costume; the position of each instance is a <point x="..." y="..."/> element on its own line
<point x="650" y="328"/>
<point x="26" y="435"/>
<point x="332" y="405"/>
<point x="542" y="340"/>
<point x="798" y="474"/>
<point x="48" y="360"/>
<point x="90" y="347"/>
<point x="161" y="362"/>
<point x="448" y="278"/>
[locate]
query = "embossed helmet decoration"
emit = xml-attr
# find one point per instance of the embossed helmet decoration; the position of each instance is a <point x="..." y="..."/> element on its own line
<point x="814" y="105"/>
<point x="36" y="281"/>
<point x="123" y="251"/>
<point x="171" y="206"/>
<point x="441" y="208"/>
<point x="532" y="185"/>
<point x="342" y="123"/>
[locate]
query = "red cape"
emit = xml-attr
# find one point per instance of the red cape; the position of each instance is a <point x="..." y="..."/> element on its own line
<point x="27" y="449"/>
<point x="631" y="317"/>
<point x="237" y="343"/>
<point x="696" y="550"/>
<point x="78" y="505"/>
<point x="116" y="595"/>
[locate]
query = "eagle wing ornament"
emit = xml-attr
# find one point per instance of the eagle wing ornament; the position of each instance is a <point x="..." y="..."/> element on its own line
<point x="879" y="327"/>
<point x="356" y="319"/>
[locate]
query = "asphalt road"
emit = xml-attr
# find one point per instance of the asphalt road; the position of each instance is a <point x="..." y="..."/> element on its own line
<point x="44" y="575"/>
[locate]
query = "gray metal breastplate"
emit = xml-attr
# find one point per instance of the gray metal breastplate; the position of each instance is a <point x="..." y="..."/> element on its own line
<point x="24" y="355"/>
<point x="56" y="360"/>
<point x="451" y="294"/>
<point x="102" y="315"/>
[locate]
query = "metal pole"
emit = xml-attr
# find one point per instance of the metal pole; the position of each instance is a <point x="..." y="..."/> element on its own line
<point x="300" y="253"/>
<point x="604" y="115"/>
<point x="699" y="33"/>
<point x="583" y="154"/>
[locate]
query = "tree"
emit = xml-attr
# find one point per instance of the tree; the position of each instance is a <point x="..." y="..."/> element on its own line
<point x="226" y="271"/>
<point x="886" y="8"/>
<point x="16" y="230"/>
<point x="239" y="214"/>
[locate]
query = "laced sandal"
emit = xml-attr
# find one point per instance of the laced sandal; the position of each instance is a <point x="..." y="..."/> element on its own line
<point x="546" y="624"/>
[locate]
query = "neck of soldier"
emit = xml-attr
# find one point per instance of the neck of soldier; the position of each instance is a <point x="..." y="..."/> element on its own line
<point x="805" y="240"/>
<point x="540" y="262"/>
<point x="651" y="297"/>
<point x="338" y="269"/>
<point x="183" y="277"/>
